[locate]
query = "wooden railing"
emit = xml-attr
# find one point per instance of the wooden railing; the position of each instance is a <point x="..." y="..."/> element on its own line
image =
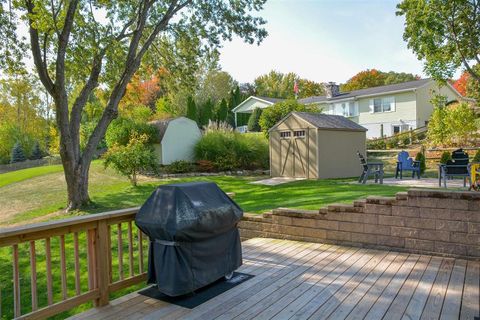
<point x="59" y="265"/>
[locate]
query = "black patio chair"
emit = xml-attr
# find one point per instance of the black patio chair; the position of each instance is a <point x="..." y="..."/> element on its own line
<point x="370" y="168"/>
<point x="457" y="167"/>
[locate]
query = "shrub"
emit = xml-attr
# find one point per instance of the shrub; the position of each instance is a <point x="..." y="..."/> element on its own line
<point x="121" y="130"/>
<point x="232" y="150"/>
<point x="271" y="115"/>
<point x="421" y="157"/>
<point x="135" y="157"/>
<point x="18" y="155"/>
<point x="476" y="157"/>
<point x="376" y="144"/>
<point x="253" y="124"/>
<point x="446" y="156"/>
<point x="180" y="166"/>
<point x="392" y="143"/>
<point x="205" y="166"/>
<point x="406" y="140"/>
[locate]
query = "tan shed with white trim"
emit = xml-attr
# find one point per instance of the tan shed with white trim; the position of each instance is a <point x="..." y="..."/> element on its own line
<point x="316" y="146"/>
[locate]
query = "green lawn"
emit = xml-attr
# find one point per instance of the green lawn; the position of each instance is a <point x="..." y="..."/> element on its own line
<point x="21" y="175"/>
<point x="36" y="195"/>
<point x="32" y="195"/>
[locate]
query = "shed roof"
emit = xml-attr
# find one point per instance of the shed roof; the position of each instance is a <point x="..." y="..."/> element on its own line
<point x="328" y="121"/>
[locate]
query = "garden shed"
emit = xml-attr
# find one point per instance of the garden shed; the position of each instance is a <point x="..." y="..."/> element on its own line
<point x="177" y="139"/>
<point x="316" y="146"/>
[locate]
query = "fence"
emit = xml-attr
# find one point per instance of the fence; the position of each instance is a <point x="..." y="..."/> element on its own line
<point x="80" y="252"/>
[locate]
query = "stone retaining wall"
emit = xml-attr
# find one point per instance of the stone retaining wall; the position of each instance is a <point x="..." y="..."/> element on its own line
<point x="419" y="221"/>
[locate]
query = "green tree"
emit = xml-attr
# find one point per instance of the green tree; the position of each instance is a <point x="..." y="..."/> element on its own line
<point x="444" y="33"/>
<point x="71" y="47"/>
<point x="452" y="125"/>
<point x="281" y="85"/>
<point x="192" y="112"/>
<point x="271" y="115"/>
<point x="373" y="78"/>
<point x="122" y="129"/>
<point x="206" y="112"/>
<point x="423" y="165"/>
<point x="135" y="157"/>
<point x="18" y="155"/>
<point x="253" y="124"/>
<point x="222" y="111"/>
<point x="216" y="86"/>
<point x="37" y="152"/>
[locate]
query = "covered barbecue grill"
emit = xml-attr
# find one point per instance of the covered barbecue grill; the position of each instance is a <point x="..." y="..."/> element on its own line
<point x="193" y="233"/>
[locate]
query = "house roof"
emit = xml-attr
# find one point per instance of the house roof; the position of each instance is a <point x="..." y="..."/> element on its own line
<point x="327" y="121"/>
<point x="272" y="100"/>
<point x="405" y="86"/>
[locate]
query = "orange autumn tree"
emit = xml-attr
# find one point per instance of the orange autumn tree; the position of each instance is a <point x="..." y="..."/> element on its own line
<point x="461" y="84"/>
<point x="144" y="89"/>
<point x="373" y="78"/>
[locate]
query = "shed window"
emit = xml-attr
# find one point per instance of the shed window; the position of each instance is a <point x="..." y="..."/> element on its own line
<point x="299" y="134"/>
<point x="285" y="134"/>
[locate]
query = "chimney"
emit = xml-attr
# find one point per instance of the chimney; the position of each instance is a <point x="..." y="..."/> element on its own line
<point x="331" y="89"/>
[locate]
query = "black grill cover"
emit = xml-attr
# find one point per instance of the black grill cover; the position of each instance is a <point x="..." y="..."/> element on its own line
<point x="193" y="233"/>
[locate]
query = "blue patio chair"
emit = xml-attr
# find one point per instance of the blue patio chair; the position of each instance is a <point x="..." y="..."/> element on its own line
<point x="405" y="163"/>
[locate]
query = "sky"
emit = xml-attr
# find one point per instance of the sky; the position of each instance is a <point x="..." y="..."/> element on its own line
<point x="324" y="40"/>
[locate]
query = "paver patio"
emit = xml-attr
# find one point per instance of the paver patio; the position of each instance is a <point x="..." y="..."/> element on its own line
<point x="300" y="280"/>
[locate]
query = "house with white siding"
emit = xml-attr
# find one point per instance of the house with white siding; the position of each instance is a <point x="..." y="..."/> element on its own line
<point x="387" y="109"/>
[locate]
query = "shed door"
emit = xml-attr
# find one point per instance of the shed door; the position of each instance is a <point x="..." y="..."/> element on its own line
<point x="300" y="156"/>
<point x="293" y="153"/>
<point x="286" y="154"/>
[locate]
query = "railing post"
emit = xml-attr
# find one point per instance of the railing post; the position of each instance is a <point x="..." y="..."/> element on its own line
<point x="102" y="248"/>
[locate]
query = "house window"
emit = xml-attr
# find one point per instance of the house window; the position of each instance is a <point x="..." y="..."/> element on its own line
<point x="299" y="134"/>
<point x="396" y="129"/>
<point x="400" y="128"/>
<point x="285" y="134"/>
<point x="385" y="104"/>
<point x="346" y="109"/>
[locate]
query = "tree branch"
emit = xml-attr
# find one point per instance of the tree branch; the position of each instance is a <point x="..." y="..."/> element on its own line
<point x="40" y="65"/>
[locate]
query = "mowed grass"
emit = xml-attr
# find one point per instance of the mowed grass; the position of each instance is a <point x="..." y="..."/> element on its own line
<point x="21" y="175"/>
<point x="35" y="198"/>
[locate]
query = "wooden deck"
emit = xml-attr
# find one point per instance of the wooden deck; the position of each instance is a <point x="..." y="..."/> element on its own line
<point x="296" y="280"/>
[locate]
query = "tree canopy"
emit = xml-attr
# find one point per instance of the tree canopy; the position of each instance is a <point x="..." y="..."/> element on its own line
<point x="444" y="33"/>
<point x="280" y="85"/>
<point x="84" y="45"/>
<point x="373" y="78"/>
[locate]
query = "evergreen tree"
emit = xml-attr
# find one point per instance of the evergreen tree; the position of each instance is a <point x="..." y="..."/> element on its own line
<point x="36" y="153"/>
<point x="235" y="99"/>
<point x="253" y="120"/>
<point x="206" y="113"/>
<point x="222" y="111"/>
<point x="17" y="153"/>
<point x="192" y="112"/>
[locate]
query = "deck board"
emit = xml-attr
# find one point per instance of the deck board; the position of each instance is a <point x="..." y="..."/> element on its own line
<point x="299" y="280"/>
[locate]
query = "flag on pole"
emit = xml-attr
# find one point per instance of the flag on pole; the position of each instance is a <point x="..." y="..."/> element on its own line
<point x="295" y="89"/>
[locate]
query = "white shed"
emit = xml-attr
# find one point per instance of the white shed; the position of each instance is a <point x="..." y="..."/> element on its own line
<point x="177" y="139"/>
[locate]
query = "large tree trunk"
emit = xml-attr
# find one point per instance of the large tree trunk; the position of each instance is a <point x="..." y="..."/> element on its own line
<point x="77" y="188"/>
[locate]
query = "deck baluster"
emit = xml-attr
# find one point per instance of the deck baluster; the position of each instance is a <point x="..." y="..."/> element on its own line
<point x="48" y="263"/>
<point x="76" y="253"/>
<point x="33" y="275"/>
<point x="16" y="283"/>
<point x="120" y="251"/>
<point x="130" y="250"/>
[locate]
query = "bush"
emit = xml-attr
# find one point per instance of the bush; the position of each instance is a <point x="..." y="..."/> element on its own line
<point x="18" y="155"/>
<point x="253" y="124"/>
<point x="376" y="144"/>
<point x="232" y="150"/>
<point x="121" y="130"/>
<point x="406" y="140"/>
<point x="421" y="157"/>
<point x="446" y="156"/>
<point x="392" y="143"/>
<point x="180" y="166"/>
<point x="205" y="166"/>
<point x="135" y="157"/>
<point x="271" y="115"/>
<point x="476" y="157"/>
